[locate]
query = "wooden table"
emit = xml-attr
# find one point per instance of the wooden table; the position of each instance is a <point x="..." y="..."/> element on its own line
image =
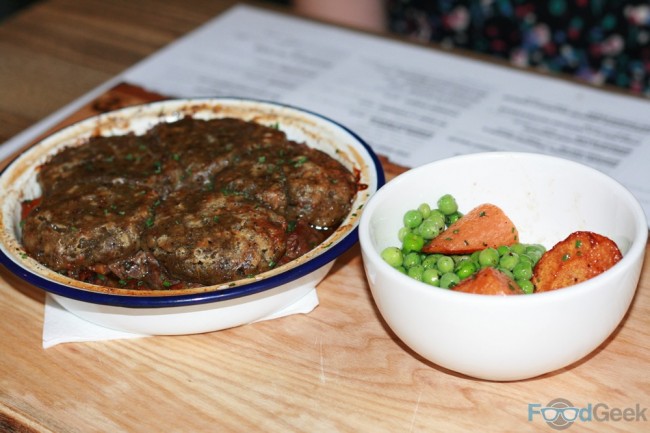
<point x="338" y="368"/>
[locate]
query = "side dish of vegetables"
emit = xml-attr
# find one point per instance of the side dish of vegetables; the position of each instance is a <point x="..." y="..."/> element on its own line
<point x="480" y="252"/>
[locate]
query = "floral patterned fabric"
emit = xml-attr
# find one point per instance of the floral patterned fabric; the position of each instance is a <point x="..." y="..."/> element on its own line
<point x="599" y="41"/>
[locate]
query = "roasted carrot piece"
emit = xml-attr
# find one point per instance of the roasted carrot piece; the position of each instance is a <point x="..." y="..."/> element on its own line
<point x="489" y="281"/>
<point x="579" y="257"/>
<point x="484" y="226"/>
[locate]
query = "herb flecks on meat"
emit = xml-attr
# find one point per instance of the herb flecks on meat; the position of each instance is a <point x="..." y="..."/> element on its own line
<point x="188" y="203"/>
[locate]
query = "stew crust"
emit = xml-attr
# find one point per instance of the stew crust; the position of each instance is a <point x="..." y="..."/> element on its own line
<point x="188" y="203"/>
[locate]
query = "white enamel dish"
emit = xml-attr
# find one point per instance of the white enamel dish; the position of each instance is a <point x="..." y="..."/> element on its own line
<point x="207" y="308"/>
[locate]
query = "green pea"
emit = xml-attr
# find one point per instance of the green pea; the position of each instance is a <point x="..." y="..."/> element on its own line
<point x="393" y="256"/>
<point x="450" y="219"/>
<point x="488" y="257"/>
<point x="449" y="280"/>
<point x="445" y="264"/>
<point x="428" y="229"/>
<point x="438" y="218"/>
<point x="503" y="250"/>
<point x="509" y="260"/>
<point x="522" y="271"/>
<point x="415" y="272"/>
<point x="412" y="218"/>
<point x="536" y="247"/>
<point x="447" y="204"/>
<point x="412" y="259"/>
<point x="526" y="286"/>
<point x="431" y="277"/>
<point x="425" y="210"/>
<point x="412" y="242"/>
<point x="460" y="258"/>
<point x="518" y="248"/>
<point x="402" y="232"/>
<point x="525" y="258"/>
<point x="402" y="269"/>
<point x="465" y="269"/>
<point x="430" y="261"/>
<point x="534" y="254"/>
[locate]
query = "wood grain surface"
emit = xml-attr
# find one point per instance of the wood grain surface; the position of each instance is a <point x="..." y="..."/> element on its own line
<point x="337" y="369"/>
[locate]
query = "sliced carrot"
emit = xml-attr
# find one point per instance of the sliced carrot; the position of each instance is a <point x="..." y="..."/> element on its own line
<point x="484" y="226"/>
<point x="489" y="281"/>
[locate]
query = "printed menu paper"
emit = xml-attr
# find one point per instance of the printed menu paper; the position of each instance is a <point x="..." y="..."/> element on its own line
<point x="411" y="103"/>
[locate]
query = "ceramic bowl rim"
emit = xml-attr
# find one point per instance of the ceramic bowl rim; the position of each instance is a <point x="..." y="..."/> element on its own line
<point x="635" y="251"/>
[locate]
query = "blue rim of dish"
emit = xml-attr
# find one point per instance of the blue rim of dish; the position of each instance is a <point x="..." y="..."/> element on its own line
<point x="134" y="301"/>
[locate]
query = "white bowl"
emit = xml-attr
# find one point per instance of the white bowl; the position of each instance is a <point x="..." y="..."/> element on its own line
<point x="505" y="338"/>
<point x="191" y="310"/>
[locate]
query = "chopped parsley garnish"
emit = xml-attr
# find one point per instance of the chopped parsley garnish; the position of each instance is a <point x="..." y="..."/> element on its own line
<point x="300" y="161"/>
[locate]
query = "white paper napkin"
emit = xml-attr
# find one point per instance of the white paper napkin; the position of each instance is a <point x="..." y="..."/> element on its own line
<point x="61" y="326"/>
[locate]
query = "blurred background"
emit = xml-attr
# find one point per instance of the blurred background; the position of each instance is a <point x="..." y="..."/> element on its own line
<point x="596" y="41"/>
<point x="8" y="7"/>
